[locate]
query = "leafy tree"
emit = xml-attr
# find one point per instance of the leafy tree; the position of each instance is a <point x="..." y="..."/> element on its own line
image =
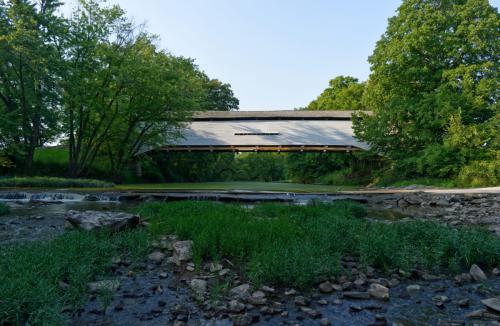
<point x="344" y="93"/>
<point x="29" y="61"/>
<point x="436" y="60"/>
<point x="219" y="96"/>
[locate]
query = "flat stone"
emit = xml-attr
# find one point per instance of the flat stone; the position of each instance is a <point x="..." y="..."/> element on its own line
<point x="311" y="312"/>
<point x="477" y="273"/>
<point x="413" y="288"/>
<point x="95" y="220"/>
<point x="104" y="286"/>
<point x="464" y="303"/>
<point x="156" y="256"/>
<point x="356" y="295"/>
<point x="300" y="301"/>
<point x="492" y="303"/>
<point x="236" y="306"/>
<point x="378" y="291"/>
<point x="267" y="289"/>
<point x="326" y="287"/>
<point x="241" y="291"/>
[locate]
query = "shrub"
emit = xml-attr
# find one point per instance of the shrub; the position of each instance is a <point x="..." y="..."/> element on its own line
<point x="52" y="182"/>
<point x="480" y="174"/>
<point x="4" y="209"/>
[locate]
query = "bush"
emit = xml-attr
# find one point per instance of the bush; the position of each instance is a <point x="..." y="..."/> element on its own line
<point x="480" y="174"/>
<point x="52" y="182"/>
<point x="297" y="246"/>
<point x="4" y="209"/>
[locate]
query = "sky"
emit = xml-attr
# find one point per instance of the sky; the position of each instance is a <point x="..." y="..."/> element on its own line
<point x="276" y="54"/>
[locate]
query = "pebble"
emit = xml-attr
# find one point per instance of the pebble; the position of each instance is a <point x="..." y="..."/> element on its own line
<point x="477" y="274"/>
<point x="378" y="291"/>
<point x="356" y="295"/>
<point x="156" y="256"/>
<point x="413" y="288"/>
<point x="326" y="287"/>
<point x="300" y="301"/>
<point x="325" y="322"/>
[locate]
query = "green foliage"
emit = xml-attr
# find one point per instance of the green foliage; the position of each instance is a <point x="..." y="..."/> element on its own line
<point x="31" y="272"/>
<point x="52" y="182"/>
<point x="4" y="209"/>
<point x="297" y="246"/>
<point x="259" y="167"/>
<point x="434" y="87"/>
<point x="344" y="93"/>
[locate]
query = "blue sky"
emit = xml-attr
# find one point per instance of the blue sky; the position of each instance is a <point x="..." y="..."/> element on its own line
<point x="276" y="54"/>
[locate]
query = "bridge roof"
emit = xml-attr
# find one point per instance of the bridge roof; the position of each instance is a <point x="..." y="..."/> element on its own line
<point x="238" y="131"/>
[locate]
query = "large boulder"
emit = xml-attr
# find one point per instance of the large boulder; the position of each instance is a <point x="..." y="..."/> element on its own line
<point x="94" y="220"/>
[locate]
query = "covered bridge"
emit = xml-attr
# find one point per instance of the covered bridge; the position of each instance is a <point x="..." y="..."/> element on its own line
<point x="268" y="131"/>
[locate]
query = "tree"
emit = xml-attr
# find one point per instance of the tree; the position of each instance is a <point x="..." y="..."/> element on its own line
<point x="29" y="63"/>
<point x="344" y="93"/>
<point x="219" y="96"/>
<point x="436" y="60"/>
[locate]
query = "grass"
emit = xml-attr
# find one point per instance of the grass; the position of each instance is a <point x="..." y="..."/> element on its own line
<point x="30" y="273"/>
<point x="240" y="185"/>
<point x="4" y="209"/>
<point x="297" y="246"/>
<point x="52" y="182"/>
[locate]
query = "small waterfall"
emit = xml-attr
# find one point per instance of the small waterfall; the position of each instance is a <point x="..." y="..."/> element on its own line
<point x="56" y="197"/>
<point x="14" y="196"/>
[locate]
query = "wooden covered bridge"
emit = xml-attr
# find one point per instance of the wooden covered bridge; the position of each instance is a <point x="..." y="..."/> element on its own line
<point x="268" y="131"/>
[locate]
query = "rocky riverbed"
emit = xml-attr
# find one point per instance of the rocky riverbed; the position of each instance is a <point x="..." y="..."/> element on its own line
<point x="170" y="289"/>
<point x="477" y="209"/>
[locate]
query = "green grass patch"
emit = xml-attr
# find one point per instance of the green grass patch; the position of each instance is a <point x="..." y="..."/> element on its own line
<point x="297" y="246"/>
<point x="4" y="209"/>
<point x="30" y="273"/>
<point x="52" y="182"/>
<point x="238" y="185"/>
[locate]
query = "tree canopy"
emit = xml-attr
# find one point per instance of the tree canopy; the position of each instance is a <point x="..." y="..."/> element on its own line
<point x="343" y="93"/>
<point x="435" y="75"/>
<point x="95" y="82"/>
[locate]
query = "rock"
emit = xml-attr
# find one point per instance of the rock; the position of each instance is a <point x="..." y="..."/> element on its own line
<point x="236" y="306"/>
<point x="310" y="312"/>
<point x="242" y="320"/>
<point x="104" y="286"/>
<point x="95" y="220"/>
<point x="464" y="303"/>
<point x="326" y="287"/>
<point x="156" y="256"/>
<point x="477" y="274"/>
<point x="198" y="286"/>
<point x="441" y="298"/>
<point x="290" y="292"/>
<point x="476" y="313"/>
<point x="267" y="289"/>
<point x="492" y="303"/>
<point x="463" y="278"/>
<point x="322" y="302"/>
<point x="495" y="271"/>
<point x="258" y="298"/>
<point x="300" y="301"/>
<point x="355" y="308"/>
<point x="356" y="295"/>
<point x="241" y="291"/>
<point x="413" y="288"/>
<point x="378" y="291"/>
<point x="325" y="322"/>
<point x="215" y="267"/>
<point x="183" y="250"/>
